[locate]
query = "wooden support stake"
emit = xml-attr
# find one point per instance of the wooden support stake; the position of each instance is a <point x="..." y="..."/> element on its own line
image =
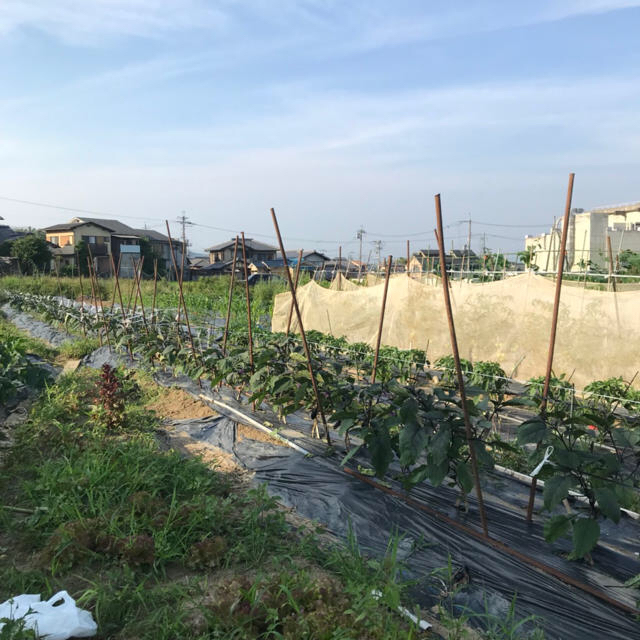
<point x="122" y="309"/>
<point x="295" y="286"/>
<point x="84" y="329"/>
<point x="228" y="319"/>
<point x="181" y="275"/>
<point x="554" y="328"/>
<point x="456" y="357"/>
<point x="133" y="286"/>
<point x="384" y="304"/>
<point x="246" y="289"/>
<point x="137" y="278"/>
<point x="612" y="280"/>
<point x="155" y="289"/>
<point x="144" y="318"/>
<point x="115" y="274"/>
<point x="302" y="333"/>
<point x="184" y="306"/>
<point x="57" y="263"/>
<point x="408" y="258"/>
<point x="98" y="298"/>
<point x="93" y="296"/>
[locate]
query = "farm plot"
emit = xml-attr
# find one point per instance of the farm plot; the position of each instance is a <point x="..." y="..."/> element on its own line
<point x="408" y="432"/>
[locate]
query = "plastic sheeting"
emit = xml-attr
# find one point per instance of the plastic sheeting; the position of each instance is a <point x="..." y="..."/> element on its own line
<point x="36" y="328"/>
<point x="317" y="488"/>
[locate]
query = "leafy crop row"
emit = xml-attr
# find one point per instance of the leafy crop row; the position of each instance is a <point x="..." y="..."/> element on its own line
<point x="409" y="426"/>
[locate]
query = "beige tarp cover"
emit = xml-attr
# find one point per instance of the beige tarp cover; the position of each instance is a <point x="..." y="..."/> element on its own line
<point x="340" y="283"/>
<point x="507" y="321"/>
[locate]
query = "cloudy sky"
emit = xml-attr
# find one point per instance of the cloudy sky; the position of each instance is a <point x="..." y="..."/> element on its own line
<point x="336" y="113"/>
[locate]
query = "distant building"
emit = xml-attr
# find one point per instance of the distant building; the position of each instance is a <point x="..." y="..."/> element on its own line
<point x="7" y="234"/>
<point x="455" y="259"/>
<point x="108" y="238"/>
<point x="256" y="251"/>
<point x="587" y="238"/>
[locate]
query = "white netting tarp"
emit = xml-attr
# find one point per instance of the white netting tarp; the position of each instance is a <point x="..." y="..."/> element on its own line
<point x="507" y="321"/>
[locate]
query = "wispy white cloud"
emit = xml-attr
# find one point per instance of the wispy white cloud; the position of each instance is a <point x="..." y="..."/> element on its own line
<point x="361" y="24"/>
<point x="84" y="22"/>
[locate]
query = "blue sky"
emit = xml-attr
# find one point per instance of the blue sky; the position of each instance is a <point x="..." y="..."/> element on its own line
<point x="336" y="113"/>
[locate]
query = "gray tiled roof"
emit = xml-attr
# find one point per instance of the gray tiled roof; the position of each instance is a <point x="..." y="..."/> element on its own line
<point x="7" y="233"/>
<point x="250" y="243"/>
<point x="115" y="226"/>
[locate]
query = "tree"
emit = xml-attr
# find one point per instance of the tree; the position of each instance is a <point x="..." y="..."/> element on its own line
<point x="630" y="262"/>
<point x="149" y="255"/>
<point x="5" y="248"/>
<point x="32" y="252"/>
<point x="82" y="253"/>
<point x="526" y="257"/>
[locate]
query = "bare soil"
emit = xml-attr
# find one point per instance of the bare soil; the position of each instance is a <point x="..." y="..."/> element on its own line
<point x="251" y="433"/>
<point x="176" y="404"/>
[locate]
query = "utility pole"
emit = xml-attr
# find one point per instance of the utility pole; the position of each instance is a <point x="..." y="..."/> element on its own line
<point x="378" y="245"/>
<point x="360" y="235"/>
<point x="184" y="221"/>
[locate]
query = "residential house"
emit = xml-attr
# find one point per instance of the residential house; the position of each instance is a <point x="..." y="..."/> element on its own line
<point x="65" y="238"/>
<point x="311" y="261"/>
<point x="108" y="239"/>
<point x="7" y="234"/>
<point x="256" y="251"/>
<point x="587" y="238"/>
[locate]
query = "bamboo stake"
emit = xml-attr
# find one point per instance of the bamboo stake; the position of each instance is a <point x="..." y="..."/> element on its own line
<point x="384" y="304"/>
<point x="295" y="286"/>
<point x="612" y="280"/>
<point x="122" y="309"/>
<point x="302" y="333"/>
<point x="554" y="328"/>
<point x="246" y="290"/>
<point x="408" y="258"/>
<point x="181" y="275"/>
<point x="116" y="286"/>
<point x="94" y="276"/>
<point x="228" y="319"/>
<point x="57" y="263"/>
<point x="115" y="272"/>
<point x="186" y="315"/>
<point x="144" y="318"/>
<point x="84" y="329"/>
<point x="138" y="276"/>
<point x="456" y="357"/>
<point x="93" y="296"/>
<point x="155" y="289"/>
<point x="133" y="286"/>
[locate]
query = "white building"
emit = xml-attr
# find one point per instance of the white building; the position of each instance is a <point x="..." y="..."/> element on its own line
<point x="587" y="238"/>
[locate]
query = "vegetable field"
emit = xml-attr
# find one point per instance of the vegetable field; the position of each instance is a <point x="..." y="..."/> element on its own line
<point x="408" y="424"/>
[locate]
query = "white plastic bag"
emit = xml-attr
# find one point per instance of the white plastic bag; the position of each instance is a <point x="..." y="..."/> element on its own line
<point x="59" y="622"/>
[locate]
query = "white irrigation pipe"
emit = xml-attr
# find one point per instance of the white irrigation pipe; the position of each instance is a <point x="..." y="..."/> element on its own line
<point x="526" y="479"/>
<point x="254" y="423"/>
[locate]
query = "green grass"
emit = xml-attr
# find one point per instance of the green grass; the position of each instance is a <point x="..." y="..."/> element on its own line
<point x="26" y="344"/>
<point x="112" y="518"/>
<point x="79" y="347"/>
<point x="201" y="296"/>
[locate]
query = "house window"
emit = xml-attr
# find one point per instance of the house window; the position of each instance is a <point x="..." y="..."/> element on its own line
<point x="89" y="239"/>
<point x="54" y="239"/>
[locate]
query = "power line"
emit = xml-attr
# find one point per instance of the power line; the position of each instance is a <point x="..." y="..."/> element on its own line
<point x="73" y="209"/>
<point x="400" y="236"/>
